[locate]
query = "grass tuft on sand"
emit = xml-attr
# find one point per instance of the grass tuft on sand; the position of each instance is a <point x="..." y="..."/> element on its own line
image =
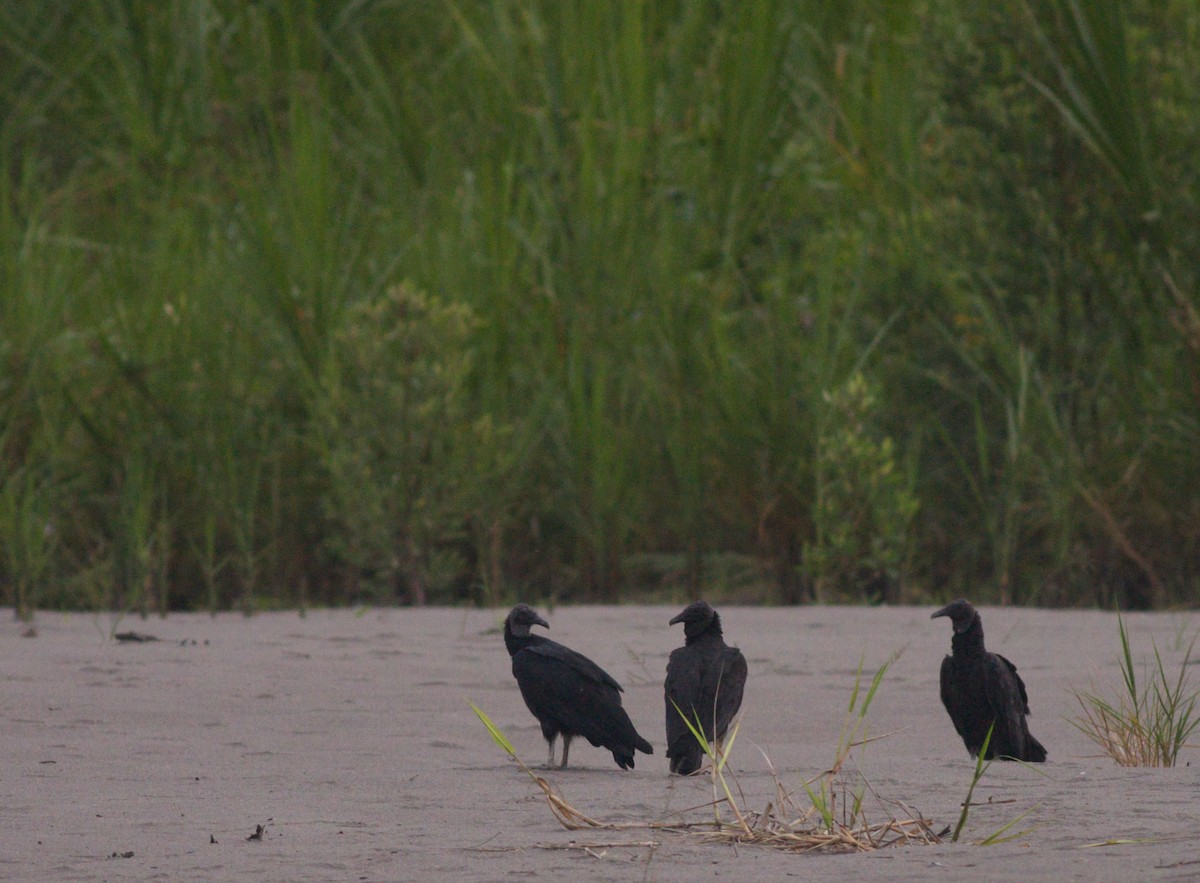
<point x="1146" y="725"/>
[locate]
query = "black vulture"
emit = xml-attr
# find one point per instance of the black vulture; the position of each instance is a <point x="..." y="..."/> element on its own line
<point x="568" y="693"/>
<point x="705" y="679"/>
<point x="979" y="688"/>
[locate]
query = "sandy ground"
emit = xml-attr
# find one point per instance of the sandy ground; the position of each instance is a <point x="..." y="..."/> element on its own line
<point x="348" y="737"/>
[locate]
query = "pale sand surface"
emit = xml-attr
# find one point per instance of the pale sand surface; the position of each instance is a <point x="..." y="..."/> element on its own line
<point x="348" y="735"/>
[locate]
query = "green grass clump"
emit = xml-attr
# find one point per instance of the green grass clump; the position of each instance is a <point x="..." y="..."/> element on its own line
<point x="1147" y="724"/>
<point x="852" y="735"/>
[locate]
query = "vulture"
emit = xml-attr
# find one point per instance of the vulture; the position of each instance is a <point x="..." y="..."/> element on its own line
<point x="982" y="690"/>
<point x="568" y="693"/>
<point x="705" y="680"/>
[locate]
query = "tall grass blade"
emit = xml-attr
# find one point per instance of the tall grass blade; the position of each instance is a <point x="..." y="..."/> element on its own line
<point x="494" y="731"/>
<point x="981" y="767"/>
<point x="1096" y="93"/>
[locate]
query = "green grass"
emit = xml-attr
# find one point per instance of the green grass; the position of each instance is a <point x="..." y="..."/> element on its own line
<point x="1146" y="724"/>
<point x="682" y="234"/>
<point x="717" y="753"/>
<point x="830" y="784"/>
<point x="981" y="767"/>
<point x="1001" y="834"/>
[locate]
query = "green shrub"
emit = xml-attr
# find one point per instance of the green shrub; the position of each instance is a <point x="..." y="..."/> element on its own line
<point x="404" y="452"/>
<point x="864" y="502"/>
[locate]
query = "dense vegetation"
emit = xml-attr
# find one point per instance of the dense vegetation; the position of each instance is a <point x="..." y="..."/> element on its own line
<point x="307" y="302"/>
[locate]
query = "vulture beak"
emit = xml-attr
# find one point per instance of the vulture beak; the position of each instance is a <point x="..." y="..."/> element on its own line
<point x="961" y="615"/>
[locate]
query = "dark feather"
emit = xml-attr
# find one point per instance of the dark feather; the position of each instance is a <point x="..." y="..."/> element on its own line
<point x="705" y="681"/>
<point x="982" y="690"/>
<point x="568" y="693"/>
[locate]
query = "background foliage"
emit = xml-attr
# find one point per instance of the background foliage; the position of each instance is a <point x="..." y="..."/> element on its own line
<point x="309" y="302"/>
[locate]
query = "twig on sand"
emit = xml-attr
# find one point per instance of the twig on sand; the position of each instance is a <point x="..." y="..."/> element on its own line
<point x="572" y="844"/>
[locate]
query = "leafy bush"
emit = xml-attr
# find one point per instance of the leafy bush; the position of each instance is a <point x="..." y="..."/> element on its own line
<point x="864" y="502"/>
<point x="404" y="451"/>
